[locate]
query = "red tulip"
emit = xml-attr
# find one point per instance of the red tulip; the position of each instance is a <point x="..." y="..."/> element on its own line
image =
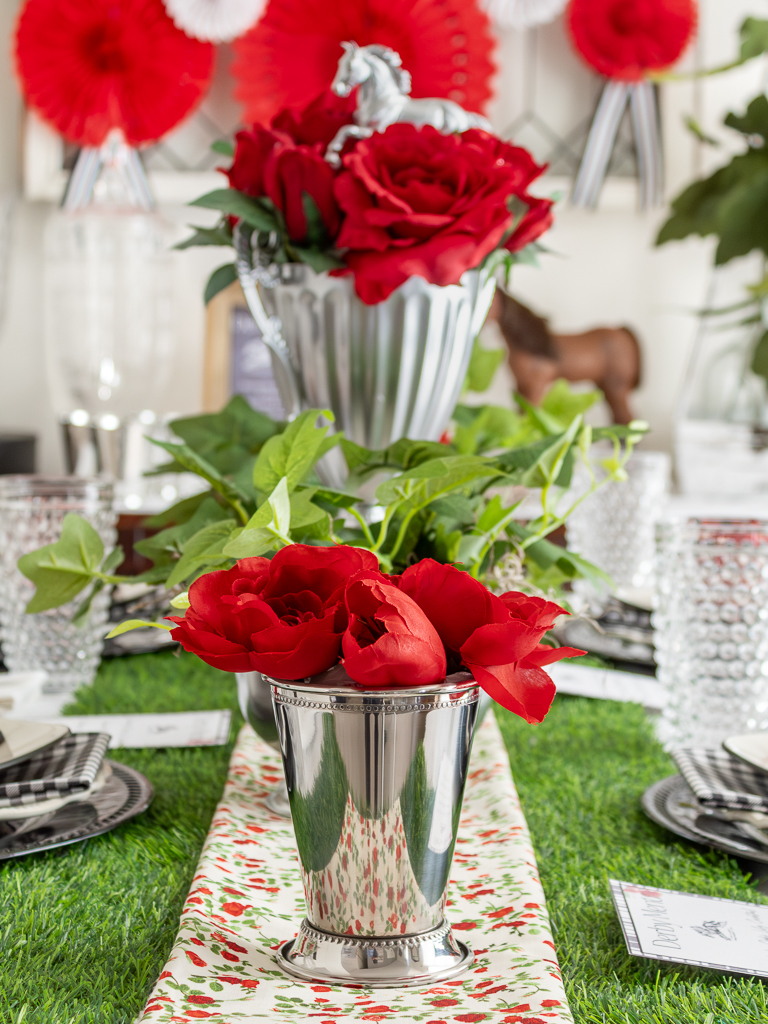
<point x="496" y="638"/>
<point x="389" y="640"/>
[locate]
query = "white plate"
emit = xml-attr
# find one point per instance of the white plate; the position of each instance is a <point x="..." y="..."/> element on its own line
<point x="752" y="747"/>
<point x="19" y="740"/>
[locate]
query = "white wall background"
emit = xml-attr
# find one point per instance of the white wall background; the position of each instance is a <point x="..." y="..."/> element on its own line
<point x="606" y="269"/>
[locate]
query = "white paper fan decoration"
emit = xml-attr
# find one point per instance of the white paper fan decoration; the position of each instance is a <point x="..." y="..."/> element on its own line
<point x="522" y="13"/>
<point x="217" y="21"/>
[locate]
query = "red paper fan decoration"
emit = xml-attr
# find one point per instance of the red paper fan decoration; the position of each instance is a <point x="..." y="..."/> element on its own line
<point x="291" y="55"/>
<point x="626" y="39"/>
<point x="87" y="66"/>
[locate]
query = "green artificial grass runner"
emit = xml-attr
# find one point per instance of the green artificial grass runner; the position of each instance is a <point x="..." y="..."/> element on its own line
<point x="85" y="931"/>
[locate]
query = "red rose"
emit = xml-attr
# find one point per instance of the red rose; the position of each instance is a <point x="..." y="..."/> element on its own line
<point x="318" y="122"/>
<point x="389" y="640"/>
<point x="535" y="221"/>
<point x="269" y="163"/>
<point x="283" y="617"/>
<point x="289" y="172"/>
<point x="523" y="171"/>
<point x="496" y="638"/>
<point x="419" y="202"/>
<point x="251" y="151"/>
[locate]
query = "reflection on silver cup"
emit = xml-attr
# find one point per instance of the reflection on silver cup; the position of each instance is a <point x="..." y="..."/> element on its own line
<point x="375" y="781"/>
<point x="254" y="696"/>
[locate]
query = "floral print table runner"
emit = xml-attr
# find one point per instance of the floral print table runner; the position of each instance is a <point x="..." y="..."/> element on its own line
<point x="247" y="898"/>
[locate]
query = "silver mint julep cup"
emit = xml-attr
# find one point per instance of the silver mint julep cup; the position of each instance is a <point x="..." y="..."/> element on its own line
<point x="375" y="781"/>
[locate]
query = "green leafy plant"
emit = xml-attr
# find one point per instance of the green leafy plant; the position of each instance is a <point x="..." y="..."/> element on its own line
<point x="452" y="502"/>
<point x="732" y="203"/>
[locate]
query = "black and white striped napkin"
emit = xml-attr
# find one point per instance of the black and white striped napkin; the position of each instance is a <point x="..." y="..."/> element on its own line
<point x="66" y="767"/>
<point x="720" y="780"/>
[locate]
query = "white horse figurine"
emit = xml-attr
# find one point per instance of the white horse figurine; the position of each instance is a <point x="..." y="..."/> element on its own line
<point x="384" y="98"/>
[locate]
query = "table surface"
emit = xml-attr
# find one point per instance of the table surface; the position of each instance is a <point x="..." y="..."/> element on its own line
<point x="84" y="932"/>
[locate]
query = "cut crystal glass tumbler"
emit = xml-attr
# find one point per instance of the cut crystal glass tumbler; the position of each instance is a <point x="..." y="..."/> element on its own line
<point x="32" y="510"/>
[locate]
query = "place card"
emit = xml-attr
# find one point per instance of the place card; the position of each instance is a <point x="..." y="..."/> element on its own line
<point x="171" y="729"/>
<point x="685" y="928"/>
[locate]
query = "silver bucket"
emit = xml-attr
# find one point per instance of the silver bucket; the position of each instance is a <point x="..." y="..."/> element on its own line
<point x="375" y="781"/>
<point x="391" y="370"/>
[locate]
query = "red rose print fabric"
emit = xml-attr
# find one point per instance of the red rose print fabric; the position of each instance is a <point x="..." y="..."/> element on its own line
<point x="246" y="898"/>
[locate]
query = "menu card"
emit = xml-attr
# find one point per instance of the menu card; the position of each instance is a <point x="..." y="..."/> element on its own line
<point x="685" y="928"/>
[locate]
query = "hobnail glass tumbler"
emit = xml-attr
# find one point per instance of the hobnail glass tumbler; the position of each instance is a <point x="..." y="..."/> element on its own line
<point x="32" y="510"/>
<point x="614" y="527"/>
<point x="711" y="629"/>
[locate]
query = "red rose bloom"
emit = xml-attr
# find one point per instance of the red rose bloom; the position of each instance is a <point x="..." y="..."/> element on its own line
<point x="389" y="640"/>
<point x="419" y="202"/>
<point x="251" y="151"/>
<point x="318" y="122"/>
<point x="283" y="616"/>
<point x="523" y="171"/>
<point x="625" y="39"/>
<point x="269" y="163"/>
<point x="496" y="638"/>
<point x="289" y="172"/>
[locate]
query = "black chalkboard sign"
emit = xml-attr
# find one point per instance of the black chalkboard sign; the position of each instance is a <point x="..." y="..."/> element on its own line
<point x="237" y="362"/>
<point x="251" y="365"/>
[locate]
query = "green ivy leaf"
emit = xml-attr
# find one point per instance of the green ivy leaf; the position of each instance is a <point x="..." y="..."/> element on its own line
<point x="565" y="405"/>
<point x="294" y="452"/>
<point x="317" y="260"/>
<point x="195" y="463"/>
<point x="743" y="218"/>
<point x="129" y="624"/>
<point x="62" y="569"/>
<point x="485" y="428"/>
<point x="317" y="233"/>
<point x="545" y="555"/>
<point x="421" y="485"/>
<point x="237" y="204"/>
<point x="203" y="550"/>
<point x="220" y="279"/>
<point x="552" y="461"/>
<point x="252" y="543"/>
<point x="230" y="438"/>
<point x="163" y="547"/>
<point x="483" y="364"/>
<point x="224" y="147"/>
<point x="755" y="119"/>
<point x="220" y="235"/>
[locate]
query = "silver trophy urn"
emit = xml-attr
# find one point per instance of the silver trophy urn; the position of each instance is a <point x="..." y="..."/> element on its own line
<point x="375" y="781"/>
<point x="390" y="370"/>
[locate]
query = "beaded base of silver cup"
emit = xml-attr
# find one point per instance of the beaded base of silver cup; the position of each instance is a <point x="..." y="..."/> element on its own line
<point x="409" y="961"/>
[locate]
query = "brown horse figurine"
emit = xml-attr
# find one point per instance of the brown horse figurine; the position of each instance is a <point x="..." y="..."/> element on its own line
<point x="608" y="356"/>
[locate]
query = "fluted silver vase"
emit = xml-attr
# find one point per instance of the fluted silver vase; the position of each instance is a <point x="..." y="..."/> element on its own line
<point x="390" y="370"/>
<point x="375" y="781"/>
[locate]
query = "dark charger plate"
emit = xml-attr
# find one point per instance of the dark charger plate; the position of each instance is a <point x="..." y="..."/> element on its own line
<point x="125" y="794"/>
<point x="671" y="803"/>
